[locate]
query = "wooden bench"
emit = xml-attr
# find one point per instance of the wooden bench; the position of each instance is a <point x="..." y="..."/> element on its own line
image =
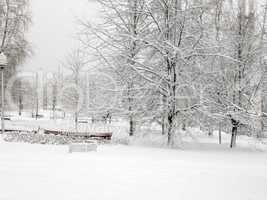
<point x="85" y="135"/>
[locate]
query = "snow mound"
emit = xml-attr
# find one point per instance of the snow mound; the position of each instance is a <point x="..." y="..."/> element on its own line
<point x="35" y="138"/>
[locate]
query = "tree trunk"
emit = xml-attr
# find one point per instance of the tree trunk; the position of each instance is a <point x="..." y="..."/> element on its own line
<point x="163" y="115"/>
<point x="54" y="96"/>
<point x="210" y="133"/>
<point x="262" y="115"/>
<point x="234" y="133"/>
<point x="163" y="125"/>
<point x="184" y="125"/>
<point x="20" y="105"/>
<point x="171" y="116"/>
<point x="20" y="97"/>
<point x="131" y="129"/>
<point x="233" y="137"/>
<point x="93" y="119"/>
<point x="220" y="133"/>
<point x="76" y="120"/>
<point x="170" y="130"/>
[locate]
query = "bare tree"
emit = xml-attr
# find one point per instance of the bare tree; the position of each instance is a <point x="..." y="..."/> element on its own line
<point x="196" y="60"/>
<point x="75" y="62"/>
<point x="124" y="21"/>
<point x="234" y="90"/>
<point x="14" y="22"/>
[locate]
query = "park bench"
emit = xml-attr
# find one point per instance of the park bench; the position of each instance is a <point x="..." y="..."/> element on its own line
<point x="85" y="135"/>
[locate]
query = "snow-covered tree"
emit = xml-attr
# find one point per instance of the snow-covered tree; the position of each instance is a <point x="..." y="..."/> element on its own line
<point x="233" y="92"/>
<point x="115" y="44"/>
<point x="75" y="62"/>
<point x="192" y="60"/>
<point x="14" y="22"/>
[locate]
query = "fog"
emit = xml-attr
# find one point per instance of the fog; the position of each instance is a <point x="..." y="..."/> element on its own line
<point x="53" y="32"/>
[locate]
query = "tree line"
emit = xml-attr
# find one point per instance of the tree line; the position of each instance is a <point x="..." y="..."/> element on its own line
<point x="184" y="62"/>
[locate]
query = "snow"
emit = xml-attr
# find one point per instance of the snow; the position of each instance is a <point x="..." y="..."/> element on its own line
<point x="30" y="172"/>
<point x="28" y="123"/>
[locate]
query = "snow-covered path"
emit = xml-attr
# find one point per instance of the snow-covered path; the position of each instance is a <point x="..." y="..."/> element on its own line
<point x="115" y="172"/>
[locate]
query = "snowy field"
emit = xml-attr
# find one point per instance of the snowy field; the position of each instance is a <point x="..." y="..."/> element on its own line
<point x="30" y="172"/>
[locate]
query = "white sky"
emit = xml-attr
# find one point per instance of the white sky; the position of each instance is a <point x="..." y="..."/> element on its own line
<point x="54" y="29"/>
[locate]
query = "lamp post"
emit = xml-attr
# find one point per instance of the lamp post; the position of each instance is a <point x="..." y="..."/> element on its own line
<point x="3" y="64"/>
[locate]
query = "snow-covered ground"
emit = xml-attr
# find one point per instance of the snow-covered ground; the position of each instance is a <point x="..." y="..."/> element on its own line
<point x="27" y="123"/>
<point x="42" y="172"/>
<point x="143" y="169"/>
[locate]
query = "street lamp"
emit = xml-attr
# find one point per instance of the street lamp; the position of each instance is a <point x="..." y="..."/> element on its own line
<point x="3" y="64"/>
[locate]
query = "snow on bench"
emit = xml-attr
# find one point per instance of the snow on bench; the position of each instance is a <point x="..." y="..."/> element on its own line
<point x="82" y="147"/>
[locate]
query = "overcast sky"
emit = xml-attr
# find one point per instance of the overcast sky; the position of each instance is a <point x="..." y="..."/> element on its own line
<point x="54" y="29"/>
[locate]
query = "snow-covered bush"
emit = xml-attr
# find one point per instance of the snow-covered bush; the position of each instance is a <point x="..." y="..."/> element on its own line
<point x="36" y="138"/>
<point x="120" y="137"/>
